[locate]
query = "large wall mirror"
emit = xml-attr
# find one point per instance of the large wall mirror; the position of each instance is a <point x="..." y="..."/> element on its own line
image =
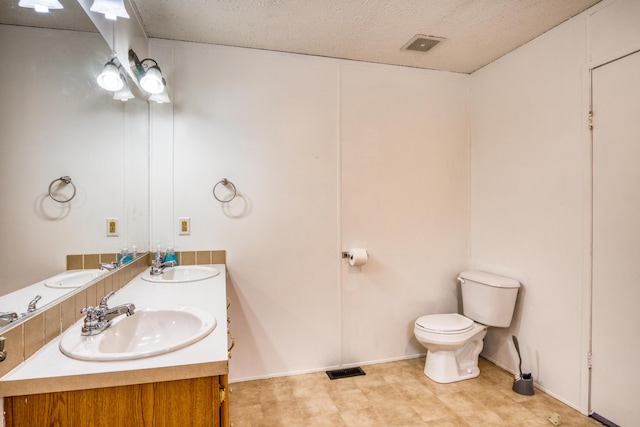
<point x="56" y="121"/>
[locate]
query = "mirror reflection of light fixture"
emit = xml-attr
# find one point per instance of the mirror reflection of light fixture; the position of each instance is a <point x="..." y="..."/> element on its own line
<point x="160" y="98"/>
<point x="110" y="79"/>
<point x="124" y="94"/>
<point x="148" y="74"/>
<point x="42" y="6"/>
<point x="112" y="9"/>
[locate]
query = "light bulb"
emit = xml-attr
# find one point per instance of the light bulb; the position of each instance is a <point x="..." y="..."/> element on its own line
<point x="152" y="80"/>
<point x="110" y="78"/>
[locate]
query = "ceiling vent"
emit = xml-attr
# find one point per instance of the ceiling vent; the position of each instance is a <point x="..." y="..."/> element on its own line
<point x="420" y="43"/>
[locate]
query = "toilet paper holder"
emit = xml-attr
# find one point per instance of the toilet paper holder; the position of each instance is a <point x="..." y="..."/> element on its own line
<point x="357" y="257"/>
<point x="346" y="254"/>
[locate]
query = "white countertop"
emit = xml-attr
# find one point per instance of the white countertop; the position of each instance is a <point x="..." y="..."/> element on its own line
<point x="49" y="370"/>
<point x="18" y="301"/>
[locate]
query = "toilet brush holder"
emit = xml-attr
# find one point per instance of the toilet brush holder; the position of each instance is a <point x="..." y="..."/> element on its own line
<point x="523" y="385"/>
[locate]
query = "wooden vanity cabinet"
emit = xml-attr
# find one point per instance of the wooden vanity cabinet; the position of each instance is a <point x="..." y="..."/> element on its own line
<point x="201" y="402"/>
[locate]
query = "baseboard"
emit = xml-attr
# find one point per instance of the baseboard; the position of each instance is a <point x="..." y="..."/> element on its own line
<point x="326" y="368"/>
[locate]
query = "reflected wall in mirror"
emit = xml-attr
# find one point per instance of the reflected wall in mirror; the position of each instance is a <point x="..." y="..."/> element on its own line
<point x="56" y="121"/>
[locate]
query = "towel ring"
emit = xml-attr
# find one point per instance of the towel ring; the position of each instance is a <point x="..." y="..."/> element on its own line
<point x="65" y="180"/>
<point x="225" y="182"/>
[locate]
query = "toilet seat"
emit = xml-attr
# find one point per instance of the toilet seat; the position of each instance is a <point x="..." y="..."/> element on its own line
<point x="452" y="323"/>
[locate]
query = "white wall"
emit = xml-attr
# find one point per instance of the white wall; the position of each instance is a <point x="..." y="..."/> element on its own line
<point x="405" y="198"/>
<point x="318" y="149"/>
<point x="530" y="192"/>
<point x="266" y="122"/>
<point x="64" y="124"/>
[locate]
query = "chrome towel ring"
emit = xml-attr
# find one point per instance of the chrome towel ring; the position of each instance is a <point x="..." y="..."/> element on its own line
<point x="226" y="183"/>
<point x="65" y="180"/>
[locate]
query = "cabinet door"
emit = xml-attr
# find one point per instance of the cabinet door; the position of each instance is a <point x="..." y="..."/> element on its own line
<point x="192" y="402"/>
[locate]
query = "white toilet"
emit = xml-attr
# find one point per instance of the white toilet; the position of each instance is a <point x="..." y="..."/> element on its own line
<point x="454" y="341"/>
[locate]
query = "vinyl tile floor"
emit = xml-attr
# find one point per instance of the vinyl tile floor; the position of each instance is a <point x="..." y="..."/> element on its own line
<point x="394" y="394"/>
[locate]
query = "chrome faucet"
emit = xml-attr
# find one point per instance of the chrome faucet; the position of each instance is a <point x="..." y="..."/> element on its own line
<point x="157" y="266"/>
<point x="8" y="317"/>
<point x="109" y="266"/>
<point x="99" y="318"/>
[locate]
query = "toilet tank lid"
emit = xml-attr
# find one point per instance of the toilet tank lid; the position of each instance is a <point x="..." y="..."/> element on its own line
<point x="489" y="279"/>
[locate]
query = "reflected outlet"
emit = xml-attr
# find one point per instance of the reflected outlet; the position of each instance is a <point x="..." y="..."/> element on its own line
<point x="112" y="227"/>
<point x="184" y="225"/>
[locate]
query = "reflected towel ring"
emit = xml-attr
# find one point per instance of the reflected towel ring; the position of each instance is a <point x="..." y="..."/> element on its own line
<point x="65" y="180"/>
<point x="225" y="182"/>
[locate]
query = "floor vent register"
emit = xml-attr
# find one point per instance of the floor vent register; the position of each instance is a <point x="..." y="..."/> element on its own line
<point x="345" y="373"/>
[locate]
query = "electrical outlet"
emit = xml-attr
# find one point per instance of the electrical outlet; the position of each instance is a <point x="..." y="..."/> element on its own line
<point x="112" y="227"/>
<point x="184" y="226"/>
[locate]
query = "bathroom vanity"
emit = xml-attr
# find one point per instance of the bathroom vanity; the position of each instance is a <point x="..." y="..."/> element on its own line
<point x="190" y="402"/>
<point x="185" y="386"/>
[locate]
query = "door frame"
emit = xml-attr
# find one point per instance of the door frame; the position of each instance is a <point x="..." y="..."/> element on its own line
<point x="587" y="300"/>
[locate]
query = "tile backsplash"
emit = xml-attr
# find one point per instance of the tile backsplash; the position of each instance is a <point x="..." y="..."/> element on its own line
<point x="26" y="338"/>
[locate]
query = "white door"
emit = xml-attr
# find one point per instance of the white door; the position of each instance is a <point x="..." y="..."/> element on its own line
<point x="615" y="373"/>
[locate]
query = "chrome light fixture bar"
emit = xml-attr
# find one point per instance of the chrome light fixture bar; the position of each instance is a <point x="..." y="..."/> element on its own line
<point x="112" y="9"/>
<point x="41" y="6"/>
<point x="149" y="75"/>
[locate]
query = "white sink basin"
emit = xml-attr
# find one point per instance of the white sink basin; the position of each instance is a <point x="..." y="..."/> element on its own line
<point x="73" y="278"/>
<point x="182" y="273"/>
<point x="148" y="332"/>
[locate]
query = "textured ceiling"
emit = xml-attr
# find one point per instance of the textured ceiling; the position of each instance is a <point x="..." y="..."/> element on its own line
<point x="476" y="32"/>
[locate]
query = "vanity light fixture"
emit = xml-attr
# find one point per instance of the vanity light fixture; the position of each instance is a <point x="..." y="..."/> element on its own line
<point x="112" y="9"/>
<point x="41" y="6"/>
<point x="148" y="74"/>
<point x="110" y="78"/>
<point x="124" y="94"/>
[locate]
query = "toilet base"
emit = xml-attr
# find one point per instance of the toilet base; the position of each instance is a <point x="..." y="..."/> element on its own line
<point x="443" y="368"/>
<point x="447" y="366"/>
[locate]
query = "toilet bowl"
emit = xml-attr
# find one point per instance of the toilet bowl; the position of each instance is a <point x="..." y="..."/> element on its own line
<point x="453" y="344"/>
<point x="454" y="341"/>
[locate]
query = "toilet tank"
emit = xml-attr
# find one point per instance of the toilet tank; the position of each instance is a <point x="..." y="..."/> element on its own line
<point x="487" y="298"/>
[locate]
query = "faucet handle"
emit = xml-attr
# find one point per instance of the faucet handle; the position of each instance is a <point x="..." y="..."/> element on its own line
<point x="92" y="321"/>
<point x="32" y="304"/>
<point x="93" y="315"/>
<point x="103" y="303"/>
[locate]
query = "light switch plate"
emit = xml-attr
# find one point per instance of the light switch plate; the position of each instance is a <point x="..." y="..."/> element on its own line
<point x="113" y="227"/>
<point x="184" y="226"/>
